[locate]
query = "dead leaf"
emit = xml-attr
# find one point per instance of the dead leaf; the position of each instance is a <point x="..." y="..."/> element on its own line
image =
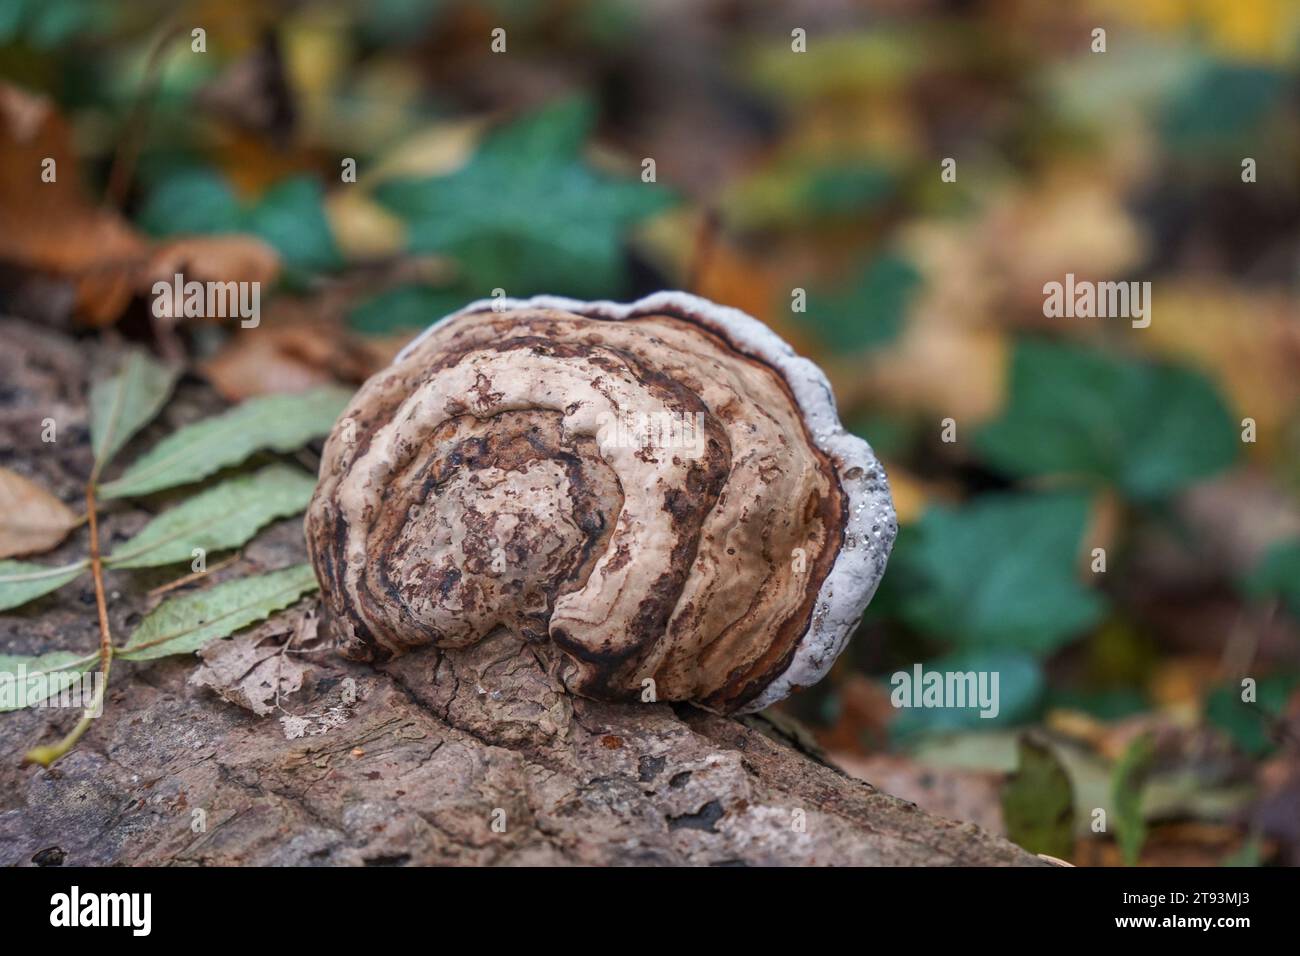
<point x="1246" y="339"/>
<point x="55" y="228"/>
<point x="256" y="669"/>
<point x="292" y="356"/>
<point x="212" y="259"/>
<point x="32" y="521"/>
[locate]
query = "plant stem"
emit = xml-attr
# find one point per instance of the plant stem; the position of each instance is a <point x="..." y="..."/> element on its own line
<point x="46" y="756"/>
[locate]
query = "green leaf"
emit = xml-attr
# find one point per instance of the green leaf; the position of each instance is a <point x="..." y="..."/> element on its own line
<point x="1019" y="688"/>
<point x="22" y="581"/>
<point x="803" y="192"/>
<point x="26" y="681"/>
<point x="1150" y="429"/>
<point x="122" y="405"/>
<point x="526" y="213"/>
<point x="49" y="24"/>
<point x="1278" y="575"/>
<point x="999" y="572"/>
<point x="184" y="624"/>
<point x="1223" y="103"/>
<point x="277" y="422"/>
<point x="1038" y="802"/>
<point x="225" y="516"/>
<point x="1126" y="792"/>
<point x="406" y="307"/>
<point x="1250" y="853"/>
<point x="290" y="216"/>
<point x="869" y="314"/>
<point x="1251" y="724"/>
<point x="191" y="202"/>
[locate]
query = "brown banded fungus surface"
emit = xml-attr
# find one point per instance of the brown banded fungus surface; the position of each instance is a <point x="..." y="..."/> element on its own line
<point x="656" y="491"/>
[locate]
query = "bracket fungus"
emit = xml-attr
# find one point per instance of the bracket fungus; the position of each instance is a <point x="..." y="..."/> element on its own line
<point x="658" y="491"/>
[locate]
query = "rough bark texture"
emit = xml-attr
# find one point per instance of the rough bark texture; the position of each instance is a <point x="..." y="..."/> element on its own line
<point x="436" y="749"/>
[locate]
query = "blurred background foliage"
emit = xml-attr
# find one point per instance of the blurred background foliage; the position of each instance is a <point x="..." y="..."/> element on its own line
<point x="817" y="171"/>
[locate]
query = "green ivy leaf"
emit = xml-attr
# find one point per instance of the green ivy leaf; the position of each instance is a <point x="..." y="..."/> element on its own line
<point x="1038" y="802"/>
<point x="406" y="307"/>
<point x="803" y="193"/>
<point x="870" y="313"/>
<point x="1127" y="785"/>
<point x="122" y="405"/>
<point x="1150" y="429"/>
<point x="26" y="681"/>
<point x="526" y="213"/>
<point x="999" y="572"/>
<point x="1019" y="688"/>
<point x="290" y="216"/>
<point x="1278" y="575"/>
<point x="277" y="422"/>
<point x="1249" y="724"/>
<point x="1222" y="103"/>
<point x="23" y="581"/>
<point x="225" y="516"/>
<point x="49" y="24"/>
<point x="182" y="625"/>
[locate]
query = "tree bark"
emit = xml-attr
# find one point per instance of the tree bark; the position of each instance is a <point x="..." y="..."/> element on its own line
<point x="467" y="757"/>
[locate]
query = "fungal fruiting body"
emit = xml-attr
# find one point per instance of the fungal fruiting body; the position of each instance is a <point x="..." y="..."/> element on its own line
<point x="658" y="491"/>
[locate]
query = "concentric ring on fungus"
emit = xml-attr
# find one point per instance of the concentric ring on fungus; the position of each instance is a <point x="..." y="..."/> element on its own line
<point x="656" y="490"/>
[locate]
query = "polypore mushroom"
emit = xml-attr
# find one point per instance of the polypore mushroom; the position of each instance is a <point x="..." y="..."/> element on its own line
<point x="654" y="491"/>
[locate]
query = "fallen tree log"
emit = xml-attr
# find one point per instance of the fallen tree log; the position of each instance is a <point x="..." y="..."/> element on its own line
<point x="469" y="757"/>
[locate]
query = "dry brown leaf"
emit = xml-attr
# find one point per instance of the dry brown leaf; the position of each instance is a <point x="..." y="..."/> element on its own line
<point x="292" y="356"/>
<point x="54" y="228"/>
<point x="256" y="669"/>
<point x="212" y="259"/>
<point x="249" y="673"/>
<point x="32" y="521"/>
<point x="1247" y="340"/>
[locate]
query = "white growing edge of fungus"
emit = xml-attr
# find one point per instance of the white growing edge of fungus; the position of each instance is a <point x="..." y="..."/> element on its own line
<point x="872" y="524"/>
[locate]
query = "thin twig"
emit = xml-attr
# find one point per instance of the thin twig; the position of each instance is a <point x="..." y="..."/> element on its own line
<point x="706" y="241"/>
<point x="45" y="756"/>
<point x="123" y="168"/>
<point x="194" y="576"/>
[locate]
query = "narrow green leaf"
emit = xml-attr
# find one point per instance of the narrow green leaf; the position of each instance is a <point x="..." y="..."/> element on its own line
<point x="22" y="581"/>
<point x="1038" y="802"/>
<point x="26" y="681"/>
<point x="278" y="422"/>
<point x="184" y="624"/>
<point x="222" y="517"/>
<point x="122" y="405"/>
<point x="1126" y="793"/>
